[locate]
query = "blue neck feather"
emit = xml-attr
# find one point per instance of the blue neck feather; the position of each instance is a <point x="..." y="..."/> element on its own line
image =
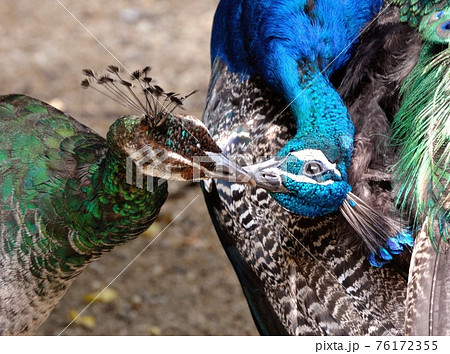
<point x="271" y="37"/>
<point x="289" y="44"/>
<point x="322" y="119"/>
<point x="294" y="46"/>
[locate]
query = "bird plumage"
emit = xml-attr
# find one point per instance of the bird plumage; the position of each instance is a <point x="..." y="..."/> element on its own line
<point x="68" y="195"/>
<point x="312" y="277"/>
<point x="398" y="169"/>
<point x="412" y="11"/>
<point x="64" y="202"/>
<point x="421" y="130"/>
<point x="296" y="48"/>
<point x="311" y="272"/>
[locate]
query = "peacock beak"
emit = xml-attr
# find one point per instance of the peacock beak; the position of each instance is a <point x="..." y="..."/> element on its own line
<point x="267" y="175"/>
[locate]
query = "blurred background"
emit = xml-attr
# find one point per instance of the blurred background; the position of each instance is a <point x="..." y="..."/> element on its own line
<point x="183" y="283"/>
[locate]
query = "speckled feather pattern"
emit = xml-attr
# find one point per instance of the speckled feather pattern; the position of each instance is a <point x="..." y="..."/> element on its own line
<point x="428" y="303"/>
<point x="313" y="271"/>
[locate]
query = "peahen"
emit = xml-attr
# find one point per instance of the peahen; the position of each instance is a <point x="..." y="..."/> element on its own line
<point x="305" y="92"/>
<point x="68" y="195"/>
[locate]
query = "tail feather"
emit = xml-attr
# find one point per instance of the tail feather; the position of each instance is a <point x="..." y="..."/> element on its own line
<point x="422" y="130"/>
<point x="382" y="238"/>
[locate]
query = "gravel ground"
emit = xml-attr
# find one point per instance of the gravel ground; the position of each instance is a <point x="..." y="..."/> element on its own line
<point x="183" y="283"/>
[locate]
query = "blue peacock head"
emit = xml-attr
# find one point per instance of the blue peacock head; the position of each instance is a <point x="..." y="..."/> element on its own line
<point x="313" y="174"/>
<point x="309" y="174"/>
<point x="295" y="47"/>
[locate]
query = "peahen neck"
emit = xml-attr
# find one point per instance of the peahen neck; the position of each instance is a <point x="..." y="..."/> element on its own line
<point x="106" y="210"/>
<point x="63" y="208"/>
<point x="96" y="210"/>
<point x="100" y="206"/>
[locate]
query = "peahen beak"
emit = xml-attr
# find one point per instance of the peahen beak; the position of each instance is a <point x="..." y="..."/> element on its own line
<point x="228" y="170"/>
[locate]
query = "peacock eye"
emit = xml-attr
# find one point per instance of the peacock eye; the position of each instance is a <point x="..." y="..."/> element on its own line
<point x="443" y="31"/>
<point x="437" y="16"/>
<point x="313" y="169"/>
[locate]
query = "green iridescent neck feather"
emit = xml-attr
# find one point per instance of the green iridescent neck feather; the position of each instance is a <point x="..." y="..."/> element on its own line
<point x="69" y="185"/>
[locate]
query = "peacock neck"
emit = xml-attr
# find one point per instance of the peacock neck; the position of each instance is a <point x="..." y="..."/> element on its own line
<point x="321" y="117"/>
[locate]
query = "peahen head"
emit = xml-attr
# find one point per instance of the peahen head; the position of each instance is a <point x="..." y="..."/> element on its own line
<point x="158" y="142"/>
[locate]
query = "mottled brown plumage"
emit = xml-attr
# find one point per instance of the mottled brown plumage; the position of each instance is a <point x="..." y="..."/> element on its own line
<point x="308" y="275"/>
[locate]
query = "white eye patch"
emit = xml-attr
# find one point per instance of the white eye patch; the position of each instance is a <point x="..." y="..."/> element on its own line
<point x="304" y="179"/>
<point x="314" y="155"/>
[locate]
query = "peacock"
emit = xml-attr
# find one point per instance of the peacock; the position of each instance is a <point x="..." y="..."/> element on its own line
<point x="304" y="93"/>
<point x="67" y="195"/>
<point x="421" y="130"/>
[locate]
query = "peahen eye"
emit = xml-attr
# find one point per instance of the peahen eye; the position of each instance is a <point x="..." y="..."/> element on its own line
<point x="313" y="168"/>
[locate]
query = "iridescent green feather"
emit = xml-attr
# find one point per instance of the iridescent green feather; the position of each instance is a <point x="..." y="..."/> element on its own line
<point x="57" y="178"/>
<point x="422" y="129"/>
<point x="412" y="11"/>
